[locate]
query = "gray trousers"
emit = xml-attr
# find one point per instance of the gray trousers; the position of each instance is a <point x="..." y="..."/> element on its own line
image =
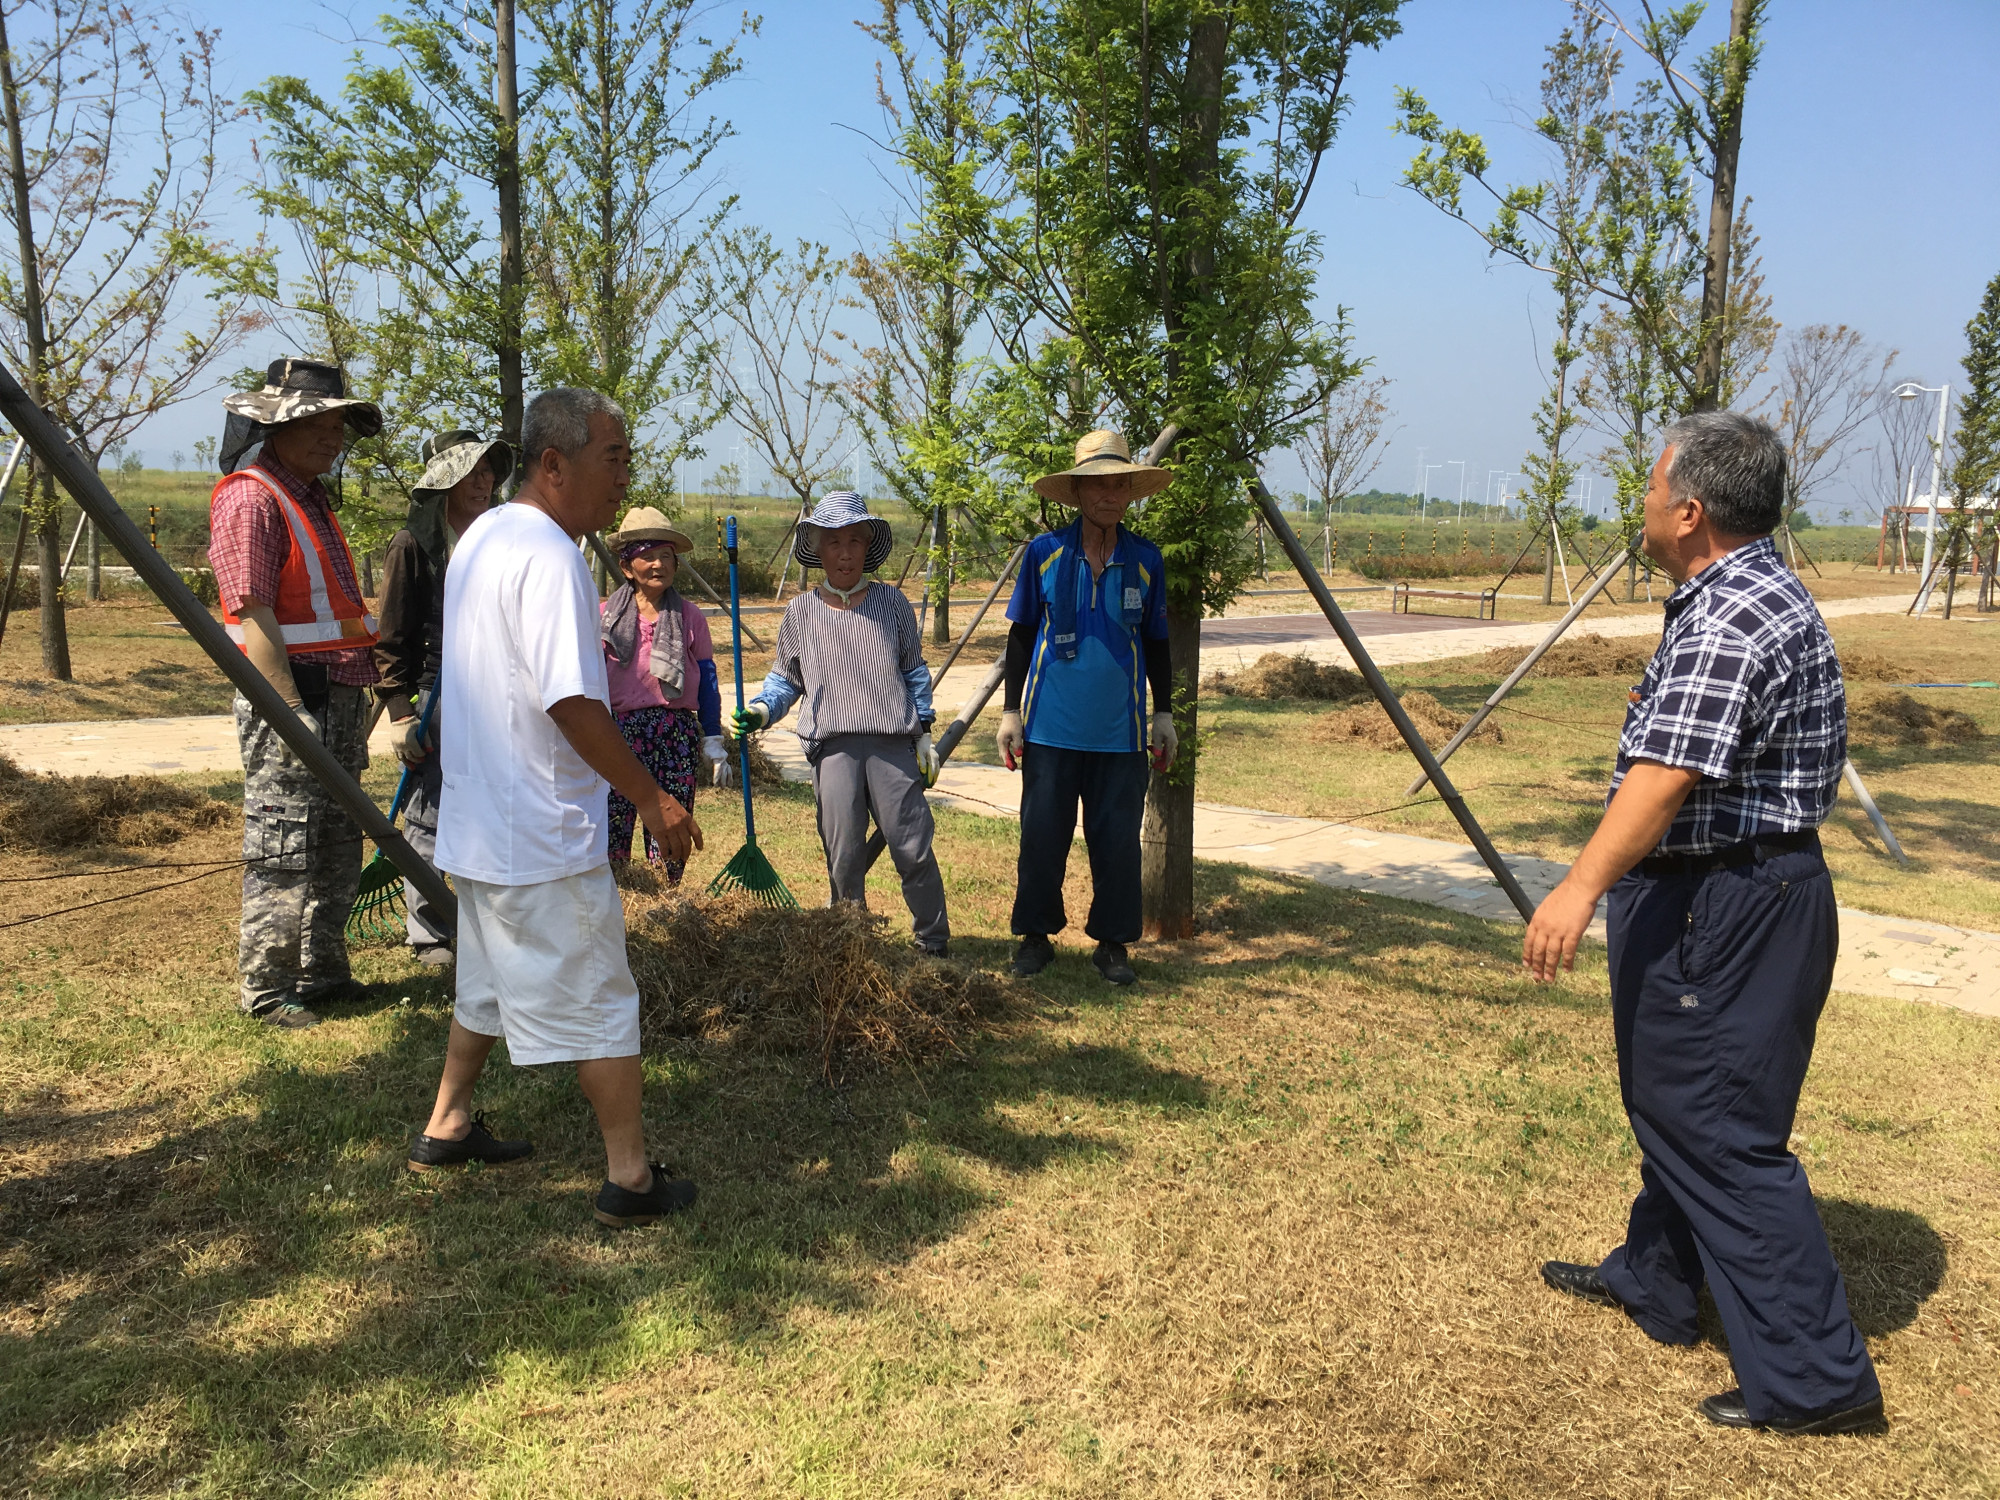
<point x="420" y="827"/>
<point x="306" y="854"/>
<point x="856" y="775"/>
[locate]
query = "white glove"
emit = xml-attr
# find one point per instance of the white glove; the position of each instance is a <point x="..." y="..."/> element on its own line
<point x="1012" y="738"/>
<point x="927" y="759"/>
<point x="406" y="738"/>
<point x="1164" y="741"/>
<point x="721" y="770"/>
<point x="313" y="725"/>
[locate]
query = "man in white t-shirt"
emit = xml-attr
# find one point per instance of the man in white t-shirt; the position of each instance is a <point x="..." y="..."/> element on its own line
<point x="521" y="826"/>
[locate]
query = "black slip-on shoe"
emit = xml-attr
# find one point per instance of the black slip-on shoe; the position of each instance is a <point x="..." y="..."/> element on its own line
<point x="1113" y="963"/>
<point x="622" y="1208"/>
<point x="1578" y="1281"/>
<point x="428" y="1153"/>
<point x="1728" y="1410"/>
<point x="942" y="950"/>
<point x="1035" y="954"/>
<point x="287" y="1015"/>
<point x="336" y="992"/>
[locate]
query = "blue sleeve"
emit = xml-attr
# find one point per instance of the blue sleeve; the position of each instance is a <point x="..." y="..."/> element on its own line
<point x="1026" y="601"/>
<point x="708" y="698"/>
<point x="919" y="680"/>
<point x="778" y="694"/>
<point x="1154" y="625"/>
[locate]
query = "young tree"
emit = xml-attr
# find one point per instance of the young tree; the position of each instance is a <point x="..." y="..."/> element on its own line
<point x="1829" y="386"/>
<point x="1656" y="245"/>
<point x="773" y="359"/>
<point x="620" y="145"/>
<point x="915" y="395"/>
<point x="1343" y="445"/>
<point x="113" y="123"/>
<point x="1161" y="153"/>
<point x="1975" y="457"/>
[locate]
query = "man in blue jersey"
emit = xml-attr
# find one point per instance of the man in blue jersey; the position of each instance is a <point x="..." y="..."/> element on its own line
<point x="1089" y="638"/>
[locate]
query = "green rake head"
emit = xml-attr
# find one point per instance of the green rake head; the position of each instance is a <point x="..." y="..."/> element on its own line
<point x="750" y="872"/>
<point x="378" y="904"/>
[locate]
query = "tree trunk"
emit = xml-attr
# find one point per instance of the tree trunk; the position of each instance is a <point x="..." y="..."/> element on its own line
<point x="1549" y="565"/>
<point x="1167" y="840"/>
<point x="507" y="175"/>
<point x="55" y="634"/>
<point x="941" y="579"/>
<point x="48" y="538"/>
<point x="1722" y="213"/>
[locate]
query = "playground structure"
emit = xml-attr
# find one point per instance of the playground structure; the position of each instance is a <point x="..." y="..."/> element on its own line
<point x="1899" y="523"/>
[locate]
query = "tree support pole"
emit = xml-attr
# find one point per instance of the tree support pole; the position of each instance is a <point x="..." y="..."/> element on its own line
<point x="20" y="536"/>
<point x="1377" y="684"/>
<point x="1514" y="678"/>
<point x="1854" y="785"/>
<point x="980" y="613"/>
<point x="58" y="458"/>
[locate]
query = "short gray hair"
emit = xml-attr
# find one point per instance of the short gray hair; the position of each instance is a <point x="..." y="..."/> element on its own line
<point x="1734" y="465"/>
<point x="560" y="419"/>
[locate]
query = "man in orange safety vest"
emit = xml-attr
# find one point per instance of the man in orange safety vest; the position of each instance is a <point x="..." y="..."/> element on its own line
<point x="291" y="600"/>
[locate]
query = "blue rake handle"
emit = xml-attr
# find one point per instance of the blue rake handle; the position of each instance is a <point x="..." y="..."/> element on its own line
<point x="423" y="733"/>
<point x="736" y="649"/>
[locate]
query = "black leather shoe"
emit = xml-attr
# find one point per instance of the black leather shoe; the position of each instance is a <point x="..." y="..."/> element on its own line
<point x="1035" y="954"/>
<point x="1113" y="964"/>
<point x="1728" y="1410"/>
<point x="622" y="1208"/>
<point x="1578" y="1281"/>
<point x="428" y="1153"/>
<point x="287" y="1016"/>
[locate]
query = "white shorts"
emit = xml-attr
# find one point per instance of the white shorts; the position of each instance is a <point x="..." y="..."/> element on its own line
<point x="544" y="966"/>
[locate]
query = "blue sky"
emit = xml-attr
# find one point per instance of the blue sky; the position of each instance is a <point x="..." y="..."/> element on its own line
<point x="1867" y="150"/>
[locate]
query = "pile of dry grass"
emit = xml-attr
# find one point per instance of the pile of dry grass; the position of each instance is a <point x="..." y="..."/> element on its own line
<point x="46" y="814"/>
<point x="764" y="771"/>
<point x="1277" y="675"/>
<point x="1590" y="655"/>
<point x="1867" y="666"/>
<point x="829" y="983"/>
<point x="1366" y="724"/>
<point x="1896" y="720"/>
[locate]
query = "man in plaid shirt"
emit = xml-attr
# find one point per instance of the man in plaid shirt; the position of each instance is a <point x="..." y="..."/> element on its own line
<point x="1722" y="936"/>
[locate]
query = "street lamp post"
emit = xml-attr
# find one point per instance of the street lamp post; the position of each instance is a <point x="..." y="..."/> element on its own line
<point x="1461" y="488"/>
<point x="1909" y="390"/>
<point x="1423" y="505"/>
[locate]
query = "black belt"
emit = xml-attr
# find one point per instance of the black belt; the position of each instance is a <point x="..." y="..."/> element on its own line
<point x="1749" y="852"/>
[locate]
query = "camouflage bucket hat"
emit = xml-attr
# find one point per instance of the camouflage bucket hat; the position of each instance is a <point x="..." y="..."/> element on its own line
<point x="450" y="456"/>
<point x="295" y="388"/>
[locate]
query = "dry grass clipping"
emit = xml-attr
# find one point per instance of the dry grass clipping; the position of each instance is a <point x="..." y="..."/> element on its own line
<point x="1276" y="675"/>
<point x="1869" y="666"/>
<point x="1366" y="724"/>
<point x="828" y="983"/>
<point x="47" y="813"/>
<point x="1898" y="720"/>
<point x="764" y="771"/>
<point x="1590" y="655"/>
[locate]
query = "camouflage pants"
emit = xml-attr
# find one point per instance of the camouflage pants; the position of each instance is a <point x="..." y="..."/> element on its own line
<point x="297" y="896"/>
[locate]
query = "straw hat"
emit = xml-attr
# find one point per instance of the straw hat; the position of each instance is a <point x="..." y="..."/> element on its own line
<point x="644" y="524"/>
<point x="840" y="509"/>
<point x="1102" y="452"/>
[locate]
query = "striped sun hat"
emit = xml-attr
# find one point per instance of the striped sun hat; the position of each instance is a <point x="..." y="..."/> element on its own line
<point x="842" y="508"/>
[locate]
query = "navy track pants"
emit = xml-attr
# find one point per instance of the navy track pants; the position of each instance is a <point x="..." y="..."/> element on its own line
<point x="1717" y="983"/>
<point x="1111" y="787"/>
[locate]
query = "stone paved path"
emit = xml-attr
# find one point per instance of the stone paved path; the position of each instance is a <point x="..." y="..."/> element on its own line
<point x="1891" y="956"/>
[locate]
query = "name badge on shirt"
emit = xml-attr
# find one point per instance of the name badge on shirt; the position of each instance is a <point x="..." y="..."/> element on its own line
<point x="1132" y="598"/>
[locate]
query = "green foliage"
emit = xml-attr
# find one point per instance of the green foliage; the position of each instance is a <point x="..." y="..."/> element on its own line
<point x="390" y="190"/>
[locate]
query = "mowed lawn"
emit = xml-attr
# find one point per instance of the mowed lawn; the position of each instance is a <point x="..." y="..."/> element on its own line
<point x="1266" y="1224"/>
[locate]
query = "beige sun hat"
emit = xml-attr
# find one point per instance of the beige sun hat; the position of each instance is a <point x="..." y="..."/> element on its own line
<point x="1103" y="452"/>
<point x="644" y="524"/>
<point x="449" y="456"/>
